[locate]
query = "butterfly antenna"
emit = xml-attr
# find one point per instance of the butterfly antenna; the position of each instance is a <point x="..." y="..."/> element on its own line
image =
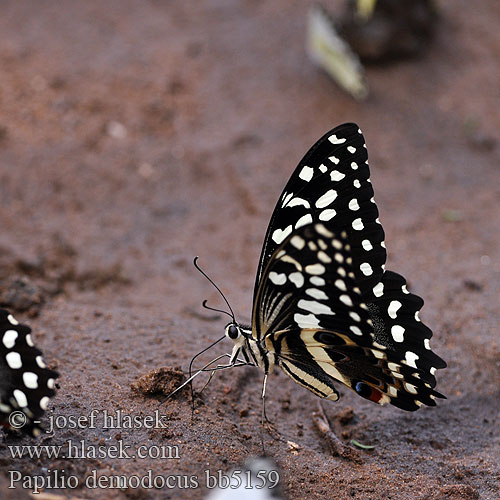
<point x="204" y="304"/>
<point x="195" y="262"/>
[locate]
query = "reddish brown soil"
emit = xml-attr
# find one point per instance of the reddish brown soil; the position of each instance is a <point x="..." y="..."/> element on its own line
<point x="136" y="135"/>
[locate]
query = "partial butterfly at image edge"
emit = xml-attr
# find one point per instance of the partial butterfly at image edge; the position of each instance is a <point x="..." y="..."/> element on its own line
<point x="26" y="383"/>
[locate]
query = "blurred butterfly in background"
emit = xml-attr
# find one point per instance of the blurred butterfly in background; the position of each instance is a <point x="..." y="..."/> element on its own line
<point x="325" y="310"/>
<point x="26" y="384"/>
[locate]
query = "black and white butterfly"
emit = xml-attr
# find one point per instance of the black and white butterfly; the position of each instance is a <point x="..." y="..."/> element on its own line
<point x="26" y="384"/>
<point x="325" y="309"/>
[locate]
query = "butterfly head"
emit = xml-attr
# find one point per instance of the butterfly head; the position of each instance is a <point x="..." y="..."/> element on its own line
<point x="236" y="332"/>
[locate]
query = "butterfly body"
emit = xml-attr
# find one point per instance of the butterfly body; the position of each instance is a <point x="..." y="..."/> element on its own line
<point x="325" y="308"/>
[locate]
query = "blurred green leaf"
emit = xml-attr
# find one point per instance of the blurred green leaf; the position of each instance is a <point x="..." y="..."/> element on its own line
<point x="361" y="445"/>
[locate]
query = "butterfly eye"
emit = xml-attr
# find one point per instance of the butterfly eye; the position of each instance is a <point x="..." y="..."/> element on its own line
<point x="233" y="332"/>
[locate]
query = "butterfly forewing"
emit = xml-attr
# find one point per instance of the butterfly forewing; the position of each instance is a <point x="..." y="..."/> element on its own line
<point x="331" y="184"/>
<point x="324" y="303"/>
<point x="26" y="384"/>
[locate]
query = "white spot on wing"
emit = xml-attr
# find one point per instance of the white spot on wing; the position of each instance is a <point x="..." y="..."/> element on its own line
<point x="298" y="242"/>
<point x="280" y="235"/>
<point x="351" y="149"/>
<point x="397" y="332"/>
<point x="357" y="224"/>
<point x="334" y="159"/>
<point x="325" y="200"/>
<point x="366" y="269"/>
<point x="317" y="294"/>
<point x="367" y="245"/>
<point x="277" y="278"/>
<point x="315" y="269"/>
<point x="295" y="202"/>
<point x="378" y="289"/>
<point x="354" y="205"/>
<point x="316" y="280"/>
<point x="393" y="367"/>
<point x="336" y="140"/>
<point x="392" y="391"/>
<point x="297" y="279"/>
<point x="356" y="330"/>
<point x="340" y="284"/>
<point x="14" y="360"/>
<point x="304" y="220"/>
<point x="355" y="316"/>
<point x="346" y="300"/>
<point x="411" y="357"/>
<point x="314" y="307"/>
<point x="335" y="175"/>
<point x="410" y="388"/>
<point x="324" y="257"/>
<point x="9" y="338"/>
<point x="40" y="362"/>
<point x="21" y="399"/>
<point x="286" y="198"/>
<point x="12" y="320"/>
<point x="306" y="320"/>
<point x="306" y="174"/>
<point x="327" y="214"/>
<point x="323" y="230"/>
<point x="393" y="308"/>
<point x="30" y="380"/>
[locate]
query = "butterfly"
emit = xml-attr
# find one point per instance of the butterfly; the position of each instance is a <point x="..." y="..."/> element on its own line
<point x="26" y="384"/>
<point x="325" y="309"/>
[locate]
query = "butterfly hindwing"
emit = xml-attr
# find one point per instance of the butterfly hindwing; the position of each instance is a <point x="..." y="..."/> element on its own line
<point x="397" y="325"/>
<point x="365" y="370"/>
<point x="26" y="384"/>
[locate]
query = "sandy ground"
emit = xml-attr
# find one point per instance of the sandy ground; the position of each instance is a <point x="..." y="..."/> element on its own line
<point x="136" y="135"/>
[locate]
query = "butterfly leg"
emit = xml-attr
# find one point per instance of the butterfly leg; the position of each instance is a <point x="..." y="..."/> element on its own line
<point x="264" y="421"/>
<point x="234" y="362"/>
<point x="264" y="416"/>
